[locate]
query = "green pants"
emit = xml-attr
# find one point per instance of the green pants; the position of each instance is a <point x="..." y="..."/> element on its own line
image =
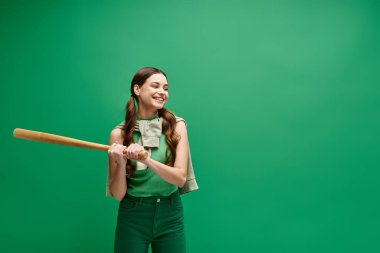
<point x="154" y="220"/>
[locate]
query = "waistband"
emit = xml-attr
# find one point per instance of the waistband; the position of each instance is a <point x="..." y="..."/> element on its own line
<point x="154" y="199"/>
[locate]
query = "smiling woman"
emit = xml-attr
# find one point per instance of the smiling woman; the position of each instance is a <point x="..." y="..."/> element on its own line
<point x="150" y="210"/>
<point x="156" y="90"/>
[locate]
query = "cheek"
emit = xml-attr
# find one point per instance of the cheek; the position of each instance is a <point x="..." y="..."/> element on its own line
<point x="148" y="94"/>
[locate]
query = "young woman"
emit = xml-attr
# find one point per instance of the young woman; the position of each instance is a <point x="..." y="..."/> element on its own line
<point x="150" y="210"/>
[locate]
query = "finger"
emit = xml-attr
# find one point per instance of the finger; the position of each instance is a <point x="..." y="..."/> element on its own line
<point x="131" y="150"/>
<point x="124" y="152"/>
<point x="120" y="148"/>
<point x="128" y="152"/>
<point x="137" y="150"/>
<point x="134" y="153"/>
<point x="114" y="146"/>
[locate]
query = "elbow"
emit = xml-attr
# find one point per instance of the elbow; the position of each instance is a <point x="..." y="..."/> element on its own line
<point x="119" y="197"/>
<point x="118" y="191"/>
<point x="182" y="182"/>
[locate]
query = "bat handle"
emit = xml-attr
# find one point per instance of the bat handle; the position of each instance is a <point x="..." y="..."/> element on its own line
<point x="143" y="154"/>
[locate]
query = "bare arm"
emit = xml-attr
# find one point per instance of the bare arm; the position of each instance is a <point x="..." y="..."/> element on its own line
<point x="118" y="182"/>
<point x="175" y="175"/>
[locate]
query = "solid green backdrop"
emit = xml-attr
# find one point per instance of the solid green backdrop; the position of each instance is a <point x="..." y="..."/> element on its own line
<point x="281" y="100"/>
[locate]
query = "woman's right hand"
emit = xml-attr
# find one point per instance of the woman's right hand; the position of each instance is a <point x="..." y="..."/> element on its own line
<point x="116" y="151"/>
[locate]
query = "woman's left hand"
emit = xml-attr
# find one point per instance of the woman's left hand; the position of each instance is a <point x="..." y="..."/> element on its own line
<point x="132" y="152"/>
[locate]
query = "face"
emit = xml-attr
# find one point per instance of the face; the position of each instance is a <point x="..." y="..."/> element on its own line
<point x="154" y="93"/>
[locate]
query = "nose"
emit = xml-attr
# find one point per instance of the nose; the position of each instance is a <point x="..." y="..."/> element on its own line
<point x="161" y="90"/>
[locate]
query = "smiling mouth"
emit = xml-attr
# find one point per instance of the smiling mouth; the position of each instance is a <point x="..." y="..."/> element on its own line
<point x="159" y="100"/>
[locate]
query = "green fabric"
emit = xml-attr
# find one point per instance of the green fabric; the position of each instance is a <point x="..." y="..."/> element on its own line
<point x="152" y="139"/>
<point x="155" y="221"/>
<point x="154" y="117"/>
<point x="144" y="183"/>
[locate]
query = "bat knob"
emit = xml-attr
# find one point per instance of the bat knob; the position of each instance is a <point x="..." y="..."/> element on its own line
<point x="142" y="155"/>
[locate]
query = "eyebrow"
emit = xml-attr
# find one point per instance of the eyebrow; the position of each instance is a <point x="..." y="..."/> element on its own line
<point x="159" y="83"/>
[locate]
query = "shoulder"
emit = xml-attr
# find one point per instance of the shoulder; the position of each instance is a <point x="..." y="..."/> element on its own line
<point x="118" y="130"/>
<point x="179" y="120"/>
<point x="117" y="134"/>
<point x="181" y="126"/>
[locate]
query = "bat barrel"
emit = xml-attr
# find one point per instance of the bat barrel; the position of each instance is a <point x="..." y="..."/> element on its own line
<point x="62" y="140"/>
<point x="56" y="139"/>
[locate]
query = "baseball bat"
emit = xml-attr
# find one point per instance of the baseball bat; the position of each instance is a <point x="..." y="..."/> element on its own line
<point x="66" y="141"/>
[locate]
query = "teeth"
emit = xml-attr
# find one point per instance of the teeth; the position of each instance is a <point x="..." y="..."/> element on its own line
<point x="159" y="99"/>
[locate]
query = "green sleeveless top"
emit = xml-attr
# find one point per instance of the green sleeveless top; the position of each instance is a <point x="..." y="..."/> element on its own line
<point x="145" y="183"/>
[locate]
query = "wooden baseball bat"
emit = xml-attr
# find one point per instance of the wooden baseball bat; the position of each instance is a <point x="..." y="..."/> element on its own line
<point x="62" y="140"/>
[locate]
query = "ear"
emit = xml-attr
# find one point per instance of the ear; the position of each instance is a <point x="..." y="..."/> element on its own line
<point x="136" y="89"/>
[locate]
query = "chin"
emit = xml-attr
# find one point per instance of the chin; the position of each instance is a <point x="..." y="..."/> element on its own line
<point x="158" y="106"/>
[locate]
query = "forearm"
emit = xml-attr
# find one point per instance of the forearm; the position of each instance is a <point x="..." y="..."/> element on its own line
<point x="118" y="182"/>
<point x="169" y="174"/>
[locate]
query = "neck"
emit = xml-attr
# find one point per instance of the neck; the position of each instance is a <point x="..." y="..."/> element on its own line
<point x="146" y="114"/>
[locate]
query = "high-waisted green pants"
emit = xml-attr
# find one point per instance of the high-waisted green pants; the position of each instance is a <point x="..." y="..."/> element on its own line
<point x="154" y="220"/>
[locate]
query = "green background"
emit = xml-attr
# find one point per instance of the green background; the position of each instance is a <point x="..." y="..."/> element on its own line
<point x="281" y="100"/>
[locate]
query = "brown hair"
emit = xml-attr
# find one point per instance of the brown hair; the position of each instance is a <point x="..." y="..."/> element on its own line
<point x="168" y="119"/>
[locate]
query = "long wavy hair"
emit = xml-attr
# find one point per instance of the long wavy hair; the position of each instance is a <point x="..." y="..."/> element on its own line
<point x="168" y="119"/>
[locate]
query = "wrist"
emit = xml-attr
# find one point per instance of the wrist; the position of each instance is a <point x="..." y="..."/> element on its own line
<point x="121" y="165"/>
<point x="148" y="161"/>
